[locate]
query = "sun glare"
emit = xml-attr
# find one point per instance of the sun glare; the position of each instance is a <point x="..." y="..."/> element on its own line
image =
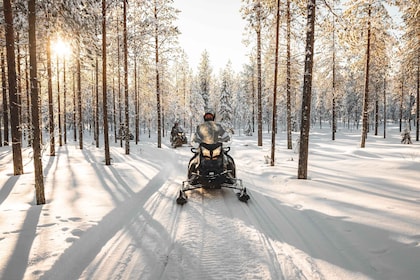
<point x="61" y="48"/>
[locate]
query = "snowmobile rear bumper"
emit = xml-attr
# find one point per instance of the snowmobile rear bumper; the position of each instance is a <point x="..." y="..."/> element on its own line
<point x="236" y="185"/>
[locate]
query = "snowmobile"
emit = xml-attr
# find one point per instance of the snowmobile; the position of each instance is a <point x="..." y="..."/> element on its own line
<point x="211" y="172"/>
<point x="178" y="139"/>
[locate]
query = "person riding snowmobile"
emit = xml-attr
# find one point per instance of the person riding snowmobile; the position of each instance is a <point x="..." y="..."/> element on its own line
<point x="209" y="132"/>
<point x="211" y="167"/>
<point x="177" y="136"/>
<point x="175" y="129"/>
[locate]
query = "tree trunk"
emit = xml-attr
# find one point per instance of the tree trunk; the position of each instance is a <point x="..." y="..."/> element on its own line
<point x="74" y="108"/>
<point x="259" y="82"/>
<point x="60" y="131"/>
<point x="50" y="100"/>
<point x="114" y="108"/>
<point x="276" y="62"/>
<point x="334" y="121"/>
<point x="385" y="106"/>
<point x="104" y="86"/>
<point x="79" y="99"/>
<point x="159" y="128"/>
<point x="64" y="102"/>
<point x="288" y="81"/>
<point x="36" y="137"/>
<point x="401" y="103"/>
<point x="120" y="126"/>
<point x="376" y="114"/>
<point x="127" y="124"/>
<point x="418" y="97"/>
<point x="307" y="92"/>
<point x="28" y="100"/>
<point x="136" y="103"/>
<point x="13" y="95"/>
<point x="5" y="100"/>
<point x="366" y="94"/>
<point x="97" y="102"/>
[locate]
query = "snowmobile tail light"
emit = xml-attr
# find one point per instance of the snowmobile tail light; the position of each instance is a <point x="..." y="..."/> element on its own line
<point x="217" y="152"/>
<point x="206" y="153"/>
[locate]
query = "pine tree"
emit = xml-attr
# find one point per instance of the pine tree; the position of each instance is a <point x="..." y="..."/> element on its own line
<point x="225" y="110"/>
<point x="165" y="34"/>
<point x="51" y="124"/>
<point x="36" y="138"/>
<point x="276" y="58"/>
<point x="255" y="13"/>
<point x="204" y="78"/>
<point x="411" y="17"/>
<point x="5" y="102"/>
<point x="14" y="100"/>
<point x="307" y="92"/>
<point x="104" y="86"/>
<point x="367" y="21"/>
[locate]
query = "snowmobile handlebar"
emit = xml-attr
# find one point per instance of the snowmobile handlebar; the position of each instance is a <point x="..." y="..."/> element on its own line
<point x="195" y="150"/>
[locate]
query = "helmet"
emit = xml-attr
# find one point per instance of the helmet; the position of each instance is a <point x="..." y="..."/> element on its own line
<point x="209" y="115"/>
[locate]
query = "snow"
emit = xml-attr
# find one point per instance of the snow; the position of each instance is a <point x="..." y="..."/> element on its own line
<point x="355" y="217"/>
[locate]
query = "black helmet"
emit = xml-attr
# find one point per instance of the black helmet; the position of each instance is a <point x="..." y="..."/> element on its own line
<point x="209" y="115"/>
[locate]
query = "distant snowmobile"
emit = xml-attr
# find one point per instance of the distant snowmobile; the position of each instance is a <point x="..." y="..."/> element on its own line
<point x="178" y="139"/>
<point x="211" y="172"/>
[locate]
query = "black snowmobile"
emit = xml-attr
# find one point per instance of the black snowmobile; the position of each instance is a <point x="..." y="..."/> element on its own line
<point x="210" y="173"/>
<point x="178" y="139"/>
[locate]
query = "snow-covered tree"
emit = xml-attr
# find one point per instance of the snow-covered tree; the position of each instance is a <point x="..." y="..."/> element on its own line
<point x="411" y="17"/>
<point x="367" y="22"/>
<point x="225" y="110"/>
<point x="165" y="34"/>
<point x="204" y="78"/>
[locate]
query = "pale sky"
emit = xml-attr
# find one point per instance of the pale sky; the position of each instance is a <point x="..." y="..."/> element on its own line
<point x="215" y="26"/>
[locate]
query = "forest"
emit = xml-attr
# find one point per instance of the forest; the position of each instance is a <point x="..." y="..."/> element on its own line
<point x="115" y="68"/>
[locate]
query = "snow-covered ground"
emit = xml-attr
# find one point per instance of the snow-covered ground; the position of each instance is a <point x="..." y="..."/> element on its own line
<point x="357" y="216"/>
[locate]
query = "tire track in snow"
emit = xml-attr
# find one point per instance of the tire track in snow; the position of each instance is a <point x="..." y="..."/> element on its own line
<point x="221" y="244"/>
<point x="219" y="240"/>
<point x="150" y="251"/>
<point x="95" y="248"/>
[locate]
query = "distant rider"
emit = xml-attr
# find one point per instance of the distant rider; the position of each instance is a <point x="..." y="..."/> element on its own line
<point x="174" y="131"/>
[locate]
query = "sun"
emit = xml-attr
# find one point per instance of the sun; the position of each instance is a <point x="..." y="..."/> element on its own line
<point x="61" y="48"/>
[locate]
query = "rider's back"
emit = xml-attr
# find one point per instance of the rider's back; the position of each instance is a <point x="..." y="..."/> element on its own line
<point x="209" y="132"/>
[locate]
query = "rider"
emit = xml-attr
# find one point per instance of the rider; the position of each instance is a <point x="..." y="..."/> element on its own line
<point x="175" y="129"/>
<point x="209" y="132"/>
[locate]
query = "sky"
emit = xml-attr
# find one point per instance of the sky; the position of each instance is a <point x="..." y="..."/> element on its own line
<point x="356" y="217"/>
<point x="213" y="25"/>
